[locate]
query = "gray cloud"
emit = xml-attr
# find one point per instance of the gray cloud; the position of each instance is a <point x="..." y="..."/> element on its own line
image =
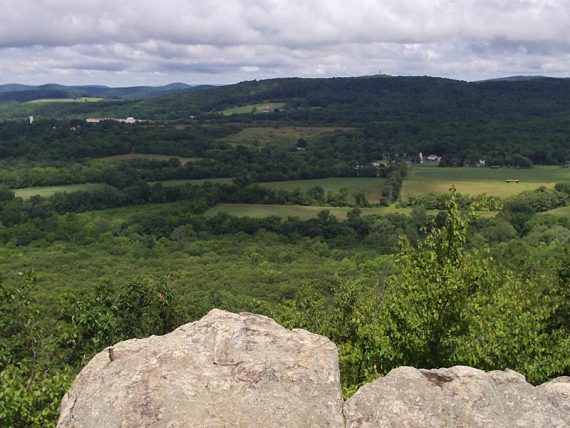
<point x="221" y="41"/>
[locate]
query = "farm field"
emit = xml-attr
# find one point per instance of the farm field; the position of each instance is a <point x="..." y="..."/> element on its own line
<point x="476" y="181"/>
<point x="196" y="182"/>
<point x="560" y="212"/>
<point x="307" y="212"/>
<point x="301" y="211"/>
<point x="251" y="108"/>
<point x="66" y="100"/>
<point x="28" y="192"/>
<point x="285" y="135"/>
<point x="131" y="156"/>
<point x="371" y="187"/>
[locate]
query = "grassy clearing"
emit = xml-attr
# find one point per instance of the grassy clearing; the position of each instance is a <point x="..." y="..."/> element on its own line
<point x="286" y="135"/>
<point x="251" y="108"/>
<point x="196" y="182"/>
<point x="372" y="187"/>
<point x="66" y="100"/>
<point x="131" y="156"/>
<point x="46" y="191"/>
<point x="301" y="211"/>
<point x="28" y="192"/>
<point x="117" y="216"/>
<point x="560" y="212"/>
<point x="476" y="181"/>
<point x="308" y="212"/>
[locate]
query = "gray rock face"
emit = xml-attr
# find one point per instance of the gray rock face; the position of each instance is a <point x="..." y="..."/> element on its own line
<point x="245" y="370"/>
<point x="458" y="397"/>
<point x="225" y="370"/>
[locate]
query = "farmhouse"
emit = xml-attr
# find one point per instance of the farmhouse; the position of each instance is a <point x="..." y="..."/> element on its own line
<point x="129" y="119"/>
<point x="513" y="180"/>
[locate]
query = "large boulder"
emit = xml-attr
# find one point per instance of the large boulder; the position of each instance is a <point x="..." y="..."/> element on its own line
<point x="224" y="370"/>
<point x="458" y="397"/>
<point x="247" y="371"/>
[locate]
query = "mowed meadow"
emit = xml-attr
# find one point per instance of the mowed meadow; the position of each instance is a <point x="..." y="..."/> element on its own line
<point x="420" y="180"/>
<point x="279" y="135"/>
<point x="478" y="181"/>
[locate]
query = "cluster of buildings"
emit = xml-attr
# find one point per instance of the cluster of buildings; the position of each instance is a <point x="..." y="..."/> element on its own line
<point x="129" y="119"/>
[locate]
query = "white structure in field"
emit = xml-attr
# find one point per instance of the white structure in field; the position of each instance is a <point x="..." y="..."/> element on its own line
<point x="421" y="157"/>
<point x="31" y="119"/>
<point x="129" y="120"/>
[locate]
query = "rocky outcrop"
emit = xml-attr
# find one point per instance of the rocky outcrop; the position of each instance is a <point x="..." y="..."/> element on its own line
<point x="224" y="370"/>
<point x="245" y="370"/>
<point x="458" y="397"/>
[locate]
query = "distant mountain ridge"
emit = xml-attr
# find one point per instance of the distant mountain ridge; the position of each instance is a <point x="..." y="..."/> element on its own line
<point x="24" y="93"/>
<point x="348" y="101"/>
<point x="517" y="78"/>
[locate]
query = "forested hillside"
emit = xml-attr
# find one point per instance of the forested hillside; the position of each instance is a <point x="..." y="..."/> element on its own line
<point x="14" y="93"/>
<point x="404" y="115"/>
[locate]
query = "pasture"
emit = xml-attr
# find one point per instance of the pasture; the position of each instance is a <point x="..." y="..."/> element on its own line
<point x="252" y="108"/>
<point x="301" y="211"/>
<point x="559" y="212"/>
<point x="371" y="187"/>
<point x="28" y="192"/>
<point x="282" y="136"/>
<point x="66" y="100"/>
<point x="195" y="182"/>
<point x="476" y="181"/>
<point x="304" y="212"/>
<point x="131" y="156"/>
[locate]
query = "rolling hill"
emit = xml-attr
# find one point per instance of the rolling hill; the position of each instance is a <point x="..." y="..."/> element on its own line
<point x="17" y="93"/>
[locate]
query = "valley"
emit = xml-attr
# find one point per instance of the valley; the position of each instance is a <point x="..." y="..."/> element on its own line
<point x="305" y="200"/>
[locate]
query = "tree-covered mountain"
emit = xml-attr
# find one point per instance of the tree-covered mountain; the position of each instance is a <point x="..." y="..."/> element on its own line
<point x="10" y="93"/>
<point x="461" y="121"/>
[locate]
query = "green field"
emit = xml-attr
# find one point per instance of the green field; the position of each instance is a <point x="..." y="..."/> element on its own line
<point x="301" y="211"/>
<point x="560" y="212"/>
<point x="196" y="182"/>
<point x="28" y="192"/>
<point x="307" y="212"/>
<point x="283" y="135"/>
<point x="251" y="108"/>
<point x="475" y="181"/>
<point x="66" y="100"/>
<point x="131" y="156"/>
<point x="372" y="187"/>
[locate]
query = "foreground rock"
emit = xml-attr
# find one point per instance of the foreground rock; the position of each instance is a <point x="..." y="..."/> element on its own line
<point x="458" y="397"/>
<point x="245" y="370"/>
<point x="224" y="370"/>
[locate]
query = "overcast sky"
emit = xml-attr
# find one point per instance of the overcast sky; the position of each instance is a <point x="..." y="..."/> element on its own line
<point x="131" y="42"/>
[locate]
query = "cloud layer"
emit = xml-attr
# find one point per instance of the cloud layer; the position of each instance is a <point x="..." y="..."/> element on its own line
<point x="219" y="41"/>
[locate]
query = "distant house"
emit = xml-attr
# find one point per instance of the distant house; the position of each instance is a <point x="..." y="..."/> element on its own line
<point x="433" y="158"/>
<point x="513" y="180"/>
<point x="268" y="109"/>
<point x="130" y="120"/>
